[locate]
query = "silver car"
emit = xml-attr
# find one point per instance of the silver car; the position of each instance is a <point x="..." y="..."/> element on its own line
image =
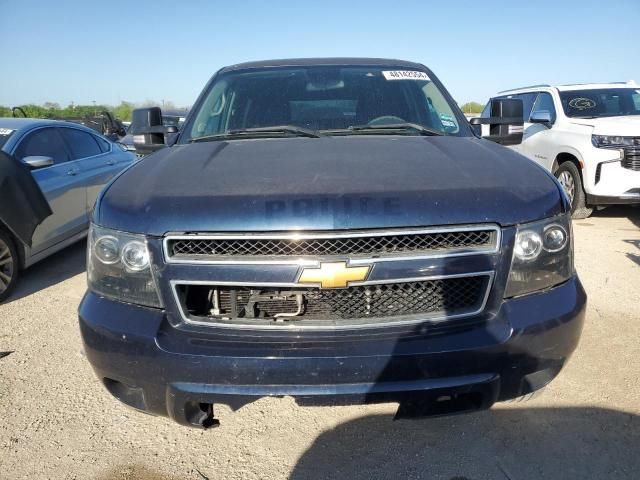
<point x="71" y="164"/>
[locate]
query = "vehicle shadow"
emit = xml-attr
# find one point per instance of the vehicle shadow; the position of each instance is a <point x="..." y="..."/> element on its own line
<point x="633" y="214"/>
<point x="57" y="268"/>
<point x="634" y="257"/>
<point x="504" y="443"/>
<point x="629" y="211"/>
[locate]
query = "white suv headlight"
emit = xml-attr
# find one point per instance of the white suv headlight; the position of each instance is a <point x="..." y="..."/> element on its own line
<point x="119" y="267"/>
<point x="614" y="141"/>
<point x="542" y="256"/>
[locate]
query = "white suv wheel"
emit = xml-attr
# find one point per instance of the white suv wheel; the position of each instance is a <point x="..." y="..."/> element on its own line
<point x="566" y="180"/>
<point x="570" y="179"/>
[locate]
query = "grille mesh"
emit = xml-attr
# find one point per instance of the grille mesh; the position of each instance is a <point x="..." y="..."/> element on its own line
<point x="369" y="245"/>
<point x="631" y="159"/>
<point x="446" y="296"/>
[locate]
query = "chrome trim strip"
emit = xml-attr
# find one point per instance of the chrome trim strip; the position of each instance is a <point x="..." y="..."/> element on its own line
<point x="315" y="260"/>
<point x="292" y="327"/>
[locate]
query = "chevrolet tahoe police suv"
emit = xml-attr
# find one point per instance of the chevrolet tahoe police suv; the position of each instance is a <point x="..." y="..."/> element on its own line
<point x="331" y="230"/>
<point x="588" y="135"/>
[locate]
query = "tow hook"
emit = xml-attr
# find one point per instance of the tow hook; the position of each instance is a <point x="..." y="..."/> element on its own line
<point x="201" y="415"/>
<point x="209" y="421"/>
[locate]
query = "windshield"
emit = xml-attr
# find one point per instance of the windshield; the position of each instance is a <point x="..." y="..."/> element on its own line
<point x="323" y="99"/>
<point x="609" y="102"/>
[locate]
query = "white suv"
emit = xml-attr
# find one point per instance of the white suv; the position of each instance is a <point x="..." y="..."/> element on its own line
<point x="588" y="136"/>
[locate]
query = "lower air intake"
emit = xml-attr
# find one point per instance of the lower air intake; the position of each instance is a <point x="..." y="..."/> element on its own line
<point x="354" y="305"/>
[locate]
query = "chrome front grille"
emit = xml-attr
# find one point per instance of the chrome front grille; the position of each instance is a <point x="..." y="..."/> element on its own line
<point x="631" y="158"/>
<point x="353" y="306"/>
<point x="407" y="280"/>
<point x="196" y="248"/>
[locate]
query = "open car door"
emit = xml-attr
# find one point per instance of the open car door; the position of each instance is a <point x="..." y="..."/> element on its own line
<point x="22" y="205"/>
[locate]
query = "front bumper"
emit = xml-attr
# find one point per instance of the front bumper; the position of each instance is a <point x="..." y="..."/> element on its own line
<point x="630" y="199"/>
<point x="153" y="366"/>
<point x="607" y="182"/>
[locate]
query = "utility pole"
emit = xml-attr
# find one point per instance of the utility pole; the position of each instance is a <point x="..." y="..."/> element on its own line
<point x="95" y="112"/>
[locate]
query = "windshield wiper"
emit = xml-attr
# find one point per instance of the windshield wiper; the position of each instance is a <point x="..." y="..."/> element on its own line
<point x="422" y="130"/>
<point x="260" y="132"/>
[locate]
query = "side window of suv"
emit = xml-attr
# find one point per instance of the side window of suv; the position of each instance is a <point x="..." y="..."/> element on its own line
<point x="528" y="100"/>
<point x="46" y="142"/>
<point x="544" y="103"/>
<point x="486" y="111"/>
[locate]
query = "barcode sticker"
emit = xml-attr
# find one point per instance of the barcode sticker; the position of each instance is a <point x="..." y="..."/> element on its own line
<point x="405" y="75"/>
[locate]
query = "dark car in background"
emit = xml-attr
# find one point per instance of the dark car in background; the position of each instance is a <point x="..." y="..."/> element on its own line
<point x="332" y="230"/>
<point x="170" y="118"/>
<point x="71" y="164"/>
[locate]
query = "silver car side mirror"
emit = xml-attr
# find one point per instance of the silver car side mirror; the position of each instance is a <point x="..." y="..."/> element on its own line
<point x="38" y="161"/>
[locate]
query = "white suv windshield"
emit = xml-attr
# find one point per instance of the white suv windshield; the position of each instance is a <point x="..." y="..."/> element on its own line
<point x="324" y="99"/>
<point x="609" y="102"/>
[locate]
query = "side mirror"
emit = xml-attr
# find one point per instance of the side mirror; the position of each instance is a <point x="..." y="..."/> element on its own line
<point x="541" y="116"/>
<point x="148" y="132"/>
<point x="38" y="161"/>
<point x="506" y="123"/>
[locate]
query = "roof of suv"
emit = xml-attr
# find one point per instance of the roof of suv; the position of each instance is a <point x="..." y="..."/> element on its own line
<point x="572" y="86"/>
<point x="593" y="86"/>
<point x="305" y="62"/>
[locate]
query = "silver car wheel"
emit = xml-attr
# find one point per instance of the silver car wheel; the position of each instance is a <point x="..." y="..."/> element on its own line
<point x="6" y="266"/>
<point x="566" y="180"/>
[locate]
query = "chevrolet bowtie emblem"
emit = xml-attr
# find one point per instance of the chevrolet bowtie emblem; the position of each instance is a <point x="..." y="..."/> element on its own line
<point x="333" y="275"/>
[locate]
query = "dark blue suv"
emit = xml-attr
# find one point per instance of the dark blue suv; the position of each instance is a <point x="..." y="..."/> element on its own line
<point x="335" y="231"/>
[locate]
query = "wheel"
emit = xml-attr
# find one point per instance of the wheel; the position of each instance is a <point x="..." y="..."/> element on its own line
<point x="571" y="181"/>
<point x="8" y="265"/>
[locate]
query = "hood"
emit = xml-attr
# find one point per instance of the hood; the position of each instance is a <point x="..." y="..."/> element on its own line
<point x="327" y="183"/>
<point x="626" y="126"/>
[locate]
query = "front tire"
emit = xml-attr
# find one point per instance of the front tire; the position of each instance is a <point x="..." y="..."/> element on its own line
<point x="571" y="181"/>
<point x="9" y="265"/>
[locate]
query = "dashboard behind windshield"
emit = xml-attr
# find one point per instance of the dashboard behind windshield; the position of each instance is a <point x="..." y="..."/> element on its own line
<point x="609" y="102"/>
<point x="327" y="99"/>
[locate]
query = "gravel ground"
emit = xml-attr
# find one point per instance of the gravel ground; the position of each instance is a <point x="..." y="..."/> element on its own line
<point x="58" y="422"/>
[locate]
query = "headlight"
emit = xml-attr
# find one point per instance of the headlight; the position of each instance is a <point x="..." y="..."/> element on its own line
<point x="542" y="256"/>
<point x="614" y="141"/>
<point x="119" y="267"/>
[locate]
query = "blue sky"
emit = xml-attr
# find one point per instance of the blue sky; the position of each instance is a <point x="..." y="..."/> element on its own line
<point x="109" y="51"/>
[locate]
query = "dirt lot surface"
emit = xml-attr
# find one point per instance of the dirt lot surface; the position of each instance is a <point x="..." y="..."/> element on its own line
<point x="58" y="422"/>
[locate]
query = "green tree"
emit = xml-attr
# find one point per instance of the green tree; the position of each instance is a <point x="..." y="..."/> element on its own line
<point x="123" y="111"/>
<point x="472" y="107"/>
